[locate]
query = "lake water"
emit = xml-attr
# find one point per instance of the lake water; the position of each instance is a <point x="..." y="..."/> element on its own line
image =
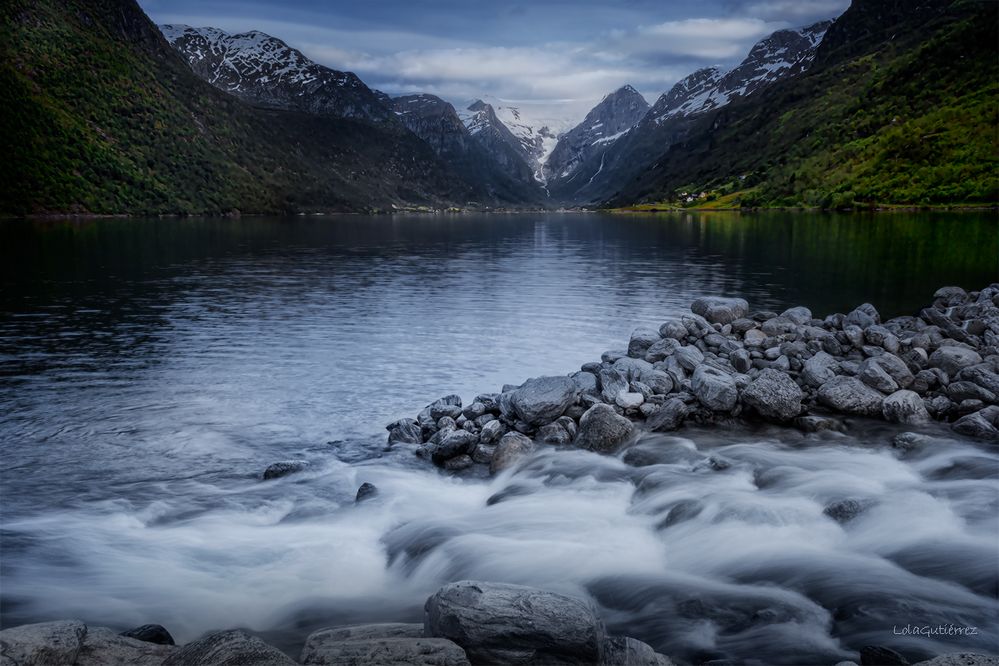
<point x="151" y="369"/>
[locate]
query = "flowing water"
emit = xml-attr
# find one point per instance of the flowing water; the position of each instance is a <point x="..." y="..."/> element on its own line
<point x="151" y="369"/>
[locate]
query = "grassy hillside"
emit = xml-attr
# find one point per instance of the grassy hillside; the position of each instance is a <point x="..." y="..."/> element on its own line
<point x="101" y="116"/>
<point x="913" y="121"/>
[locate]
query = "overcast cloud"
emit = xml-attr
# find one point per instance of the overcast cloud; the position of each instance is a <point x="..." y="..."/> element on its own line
<point x="542" y="51"/>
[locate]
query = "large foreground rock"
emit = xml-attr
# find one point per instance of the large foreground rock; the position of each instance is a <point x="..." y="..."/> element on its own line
<point x="543" y="399"/>
<point x="715" y="389"/>
<point x="720" y="310"/>
<point x="369" y="651"/>
<point x="42" y="644"/>
<point x="228" y="648"/>
<point x="512" y="624"/>
<point x="512" y="447"/>
<point x="774" y="395"/>
<point x="983" y="424"/>
<point x="631" y="652"/>
<point x="905" y="407"/>
<point x="104" y="647"/>
<point x="851" y="396"/>
<point x="603" y="430"/>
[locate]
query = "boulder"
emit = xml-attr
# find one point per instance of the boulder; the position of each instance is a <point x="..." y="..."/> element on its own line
<point x="228" y="648"/>
<point x="483" y="453"/>
<point x="449" y="405"/>
<point x="689" y="357"/>
<point x="658" y="381"/>
<point x="875" y="376"/>
<point x="544" y="399"/>
<point x="799" y="315"/>
<point x="954" y="359"/>
<point x="882" y="337"/>
<point x="42" y="644"/>
<point x="512" y="447"/>
<point x="851" y="396"/>
<point x="983" y="424"/>
<point x="631" y="652"/>
<point x="819" y="369"/>
<point x="668" y="417"/>
<point x="905" y="407"/>
<point x="774" y="395"/>
<point x="613" y="382"/>
<point x="150" y="633"/>
<point x="491" y="432"/>
<point x="601" y="429"/>
<point x="641" y="340"/>
<point x="863" y="316"/>
<point x="104" y="647"/>
<point x="586" y="382"/>
<point x="983" y="376"/>
<point x="405" y="431"/>
<point x="961" y="659"/>
<point x="720" y="310"/>
<point x="365" y="492"/>
<point x="321" y="650"/>
<point x="715" y="389"/>
<point x="673" y="329"/>
<point x="512" y="624"/>
<point x="367" y="631"/>
<point x="660" y="349"/>
<point x="284" y="468"/>
<point x="629" y="400"/>
<point x="755" y="338"/>
<point x="555" y="434"/>
<point x="455" y="444"/>
<point x="843" y="511"/>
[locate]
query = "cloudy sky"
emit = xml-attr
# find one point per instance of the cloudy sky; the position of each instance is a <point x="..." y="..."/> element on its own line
<point x="526" y="50"/>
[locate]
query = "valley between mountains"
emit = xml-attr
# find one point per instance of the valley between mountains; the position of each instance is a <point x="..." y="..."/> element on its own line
<point x="116" y="115"/>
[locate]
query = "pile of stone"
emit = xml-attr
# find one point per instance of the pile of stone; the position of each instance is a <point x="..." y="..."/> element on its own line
<point x="722" y="363"/>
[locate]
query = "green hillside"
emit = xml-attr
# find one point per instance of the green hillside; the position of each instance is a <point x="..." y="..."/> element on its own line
<point x="912" y="120"/>
<point x="101" y="116"/>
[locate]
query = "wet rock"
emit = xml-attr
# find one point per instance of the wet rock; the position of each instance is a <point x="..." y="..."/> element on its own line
<point x="367" y="651"/>
<point x="512" y="447"/>
<point x="474" y="410"/>
<point x="455" y="444"/>
<point x="961" y="659"/>
<point x="641" y="340"/>
<point x="818" y="424"/>
<point x="779" y="326"/>
<point x="601" y="429"/>
<point x="843" y="511"/>
<point x="983" y="424"/>
<point x="365" y="492"/>
<point x="630" y="652"/>
<point x="659" y="382"/>
<point x="458" y="463"/>
<point x="613" y="383"/>
<point x="228" y="648"/>
<point x="950" y="296"/>
<point x="366" y="632"/>
<point x="42" y="644"/>
<point x="740" y="360"/>
<point x="799" y="315"/>
<point x="876" y="655"/>
<point x="882" y="337"/>
<point x="449" y="405"/>
<point x="586" y="382"/>
<point x="629" y="400"/>
<point x="501" y="623"/>
<point x="851" y="396"/>
<point x="284" y="468"/>
<point x="544" y="399"/>
<point x="774" y="395"/>
<point x="491" y="432"/>
<point x="150" y="633"/>
<point x="715" y="389"/>
<point x="819" y="369"/>
<point x="959" y="391"/>
<point x="673" y="329"/>
<point x="720" y="310"/>
<point x="668" y="417"/>
<point x="483" y="453"/>
<point x="863" y="316"/>
<point x="681" y="512"/>
<point x="689" y="357"/>
<point x="104" y="647"/>
<point x="981" y="375"/>
<point x="554" y="434"/>
<point x="405" y="431"/>
<point x="905" y="407"/>
<point x="755" y="338"/>
<point x="875" y="376"/>
<point x="661" y="349"/>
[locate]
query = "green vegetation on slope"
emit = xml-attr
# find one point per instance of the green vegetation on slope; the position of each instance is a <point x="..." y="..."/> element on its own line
<point x="912" y="123"/>
<point x="101" y="116"/>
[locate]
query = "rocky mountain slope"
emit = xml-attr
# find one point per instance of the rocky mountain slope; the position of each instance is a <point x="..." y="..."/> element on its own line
<point x="102" y="116"/>
<point x="784" y="54"/>
<point x="501" y="145"/>
<point x="898" y="107"/>
<point x="264" y="70"/>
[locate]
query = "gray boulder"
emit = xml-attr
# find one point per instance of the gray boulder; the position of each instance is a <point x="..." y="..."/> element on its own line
<point x="631" y="652"/>
<point x="512" y="447"/>
<point x="875" y="376"/>
<point x="720" y="310"/>
<point x="42" y="644"/>
<point x="284" y="468"/>
<point x="689" y="357"/>
<point x="491" y="432"/>
<point x="601" y="429"/>
<point x="662" y="348"/>
<point x="774" y="395"/>
<point x="954" y="359"/>
<point x="544" y="399"/>
<point x="586" y="382"/>
<point x="673" y="329"/>
<point x="983" y="424"/>
<point x="983" y="376"/>
<point x="851" y="396"/>
<point x="512" y="624"/>
<point x="613" y="383"/>
<point x="668" y="417"/>
<point x="631" y="400"/>
<point x="863" y="317"/>
<point x="322" y="649"/>
<point x="555" y="434"/>
<point x="150" y="633"/>
<point x="228" y="648"/>
<point x="819" y="369"/>
<point x="455" y="444"/>
<point x="799" y="315"/>
<point x="641" y="339"/>
<point x="905" y="407"/>
<point x="367" y="631"/>
<point x="961" y="659"/>
<point x="405" y="431"/>
<point x="882" y="337"/>
<point x="449" y="405"/>
<point x="715" y="389"/>
<point x="104" y="647"/>
<point x="755" y="338"/>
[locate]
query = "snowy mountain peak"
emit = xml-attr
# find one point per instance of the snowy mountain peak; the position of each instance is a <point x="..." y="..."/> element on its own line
<point x="264" y="70"/>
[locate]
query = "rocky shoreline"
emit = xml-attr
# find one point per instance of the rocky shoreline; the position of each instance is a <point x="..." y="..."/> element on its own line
<point x="723" y="364"/>
<point x="467" y="622"/>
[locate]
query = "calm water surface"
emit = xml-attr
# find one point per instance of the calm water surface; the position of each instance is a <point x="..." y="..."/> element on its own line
<point x="150" y="369"/>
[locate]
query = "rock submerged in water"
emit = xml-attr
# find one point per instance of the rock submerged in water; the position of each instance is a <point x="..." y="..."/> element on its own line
<point x="150" y="633"/>
<point x="284" y="468"/>
<point x="723" y="362"/>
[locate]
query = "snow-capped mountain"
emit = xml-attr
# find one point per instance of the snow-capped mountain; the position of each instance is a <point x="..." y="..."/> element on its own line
<point x="784" y="53"/>
<point x="265" y="71"/>
<point x="500" y="143"/>
<point x="615" y="115"/>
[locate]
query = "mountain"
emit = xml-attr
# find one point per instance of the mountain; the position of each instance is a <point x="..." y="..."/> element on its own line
<point x="436" y="122"/>
<point x="897" y="107"/>
<point x="103" y="116"/>
<point x="498" y="142"/>
<point x="265" y="71"/>
<point x="617" y="113"/>
<point x="782" y="55"/>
